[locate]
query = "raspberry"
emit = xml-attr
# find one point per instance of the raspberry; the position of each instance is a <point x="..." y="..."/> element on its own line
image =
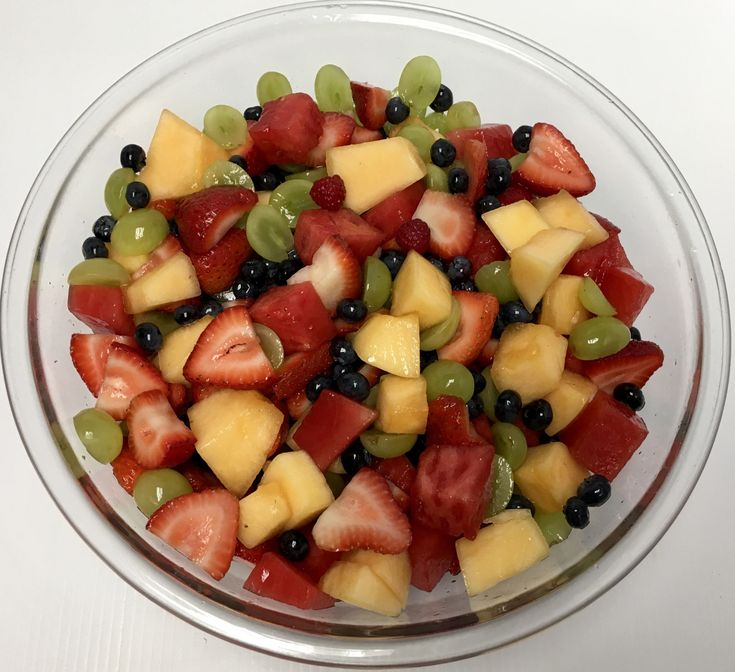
<point x="328" y="192"/>
<point x="414" y="235"/>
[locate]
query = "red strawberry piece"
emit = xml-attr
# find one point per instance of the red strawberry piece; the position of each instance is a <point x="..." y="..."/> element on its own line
<point x="255" y="161"/>
<point x="334" y="271"/>
<point x="449" y="423"/>
<point x="218" y="268"/>
<point x="298" y="369"/>
<point x="329" y="192"/>
<point x="483" y="428"/>
<point x="166" y="206"/>
<point x="533" y="438"/>
<point x="453" y="486"/>
<point x="297" y="404"/>
<point x="398" y="470"/>
<point x="370" y="103"/>
<point x="553" y="163"/>
<point x="484" y="248"/>
<point x="288" y="129"/>
<point x="598" y="259"/>
<point x="571" y="363"/>
<point x="414" y="235"/>
<point x="89" y="355"/>
<point x="366" y="516"/>
<point x="497" y="138"/>
<point x="256" y="553"/>
<point x="274" y="577"/>
<point x="317" y="561"/>
<point x="178" y="397"/>
<point x="478" y="311"/>
<point x="337" y="129"/>
<point x="199" y="391"/>
<point x="206" y="216"/>
<point x="451" y="220"/>
<point x="202" y="526"/>
<point x="402" y="498"/>
<point x="362" y="134"/>
<point x="332" y="423"/>
<point x="126" y="470"/>
<point x="127" y="374"/>
<point x="228" y="353"/>
<point x="371" y="373"/>
<point x="627" y="291"/>
<point x="156" y="436"/>
<point x="101" y="308"/>
<point x="432" y="553"/>
<point x="487" y="354"/>
<point x="199" y="476"/>
<point x="389" y="214"/>
<point x="475" y="163"/>
<point x="635" y="364"/>
<point x="514" y="192"/>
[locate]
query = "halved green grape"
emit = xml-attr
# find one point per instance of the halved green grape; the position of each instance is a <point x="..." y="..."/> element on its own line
<point x="139" y="232"/>
<point x="291" y="198"/>
<point x="510" y="443"/>
<point x="99" y="433"/>
<point x="156" y="487"/>
<point x="447" y="377"/>
<point x="502" y="486"/>
<point x="376" y="283"/>
<point x="419" y="82"/>
<point x="115" y="187"/>
<point x="437" y="121"/>
<point x="98" y="271"/>
<point x="226" y="126"/>
<point x="436" y="179"/>
<point x="554" y="526"/>
<point x="440" y="334"/>
<point x="224" y="172"/>
<point x="268" y="233"/>
<point x="421" y="138"/>
<point x="598" y="337"/>
<point x="516" y="160"/>
<point x="371" y="401"/>
<point x="292" y="168"/>
<point x="271" y="344"/>
<point x="311" y="174"/>
<point x="332" y="90"/>
<point x="164" y="321"/>
<point x="494" y="278"/>
<point x="592" y="298"/>
<point x="463" y="114"/>
<point x="272" y="85"/>
<point x="489" y="394"/>
<point x="386" y="445"/>
<point x="336" y="482"/>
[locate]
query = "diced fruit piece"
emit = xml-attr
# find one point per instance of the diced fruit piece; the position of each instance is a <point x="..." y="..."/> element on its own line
<point x="256" y="553"/>
<point x="361" y="134"/>
<point x="101" y="308"/>
<point x="199" y="476"/>
<point x="568" y="400"/>
<point x="89" y="354"/>
<point x="298" y="369"/>
<point x="358" y="585"/>
<point x="255" y="160"/>
<point x="514" y="193"/>
<point x="497" y="139"/>
<point x="202" y="526"/>
<point x="397" y="470"/>
<point x="373" y="171"/>
<point x="217" y="269"/>
<point x="177" y="346"/>
<point x="263" y="514"/>
<point x="512" y="543"/>
<point x="562" y="210"/>
<point x="370" y="102"/>
<point x="169" y="246"/>
<point x="235" y="431"/>
<point x="449" y="423"/>
<point x="174" y="280"/>
<point x="478" y="311"/>
<point x="561" y="308"/>
<point x="451" y="221"/>
<point x="393" y="569"/>
<point x="627" y="291"/>
<point x="337" y="131"/>
<point x="475" y="159"/>
<point x="396" y="209"/>
<point x="166" y="206"/>
<point x="515" y="224"/>
<point x="402" y="406"/>
<point x="317" y="561"/>
<point x="421" y="288"/>
<point x="597" y="260"/>
<point x="126" y="470"/>
<point x="485" y="248"/>
<point x="529" y="360"/>
<point x="432" y="554"/>
<point x="131" y="263"/>
<point x="635" y="364"/>
<point x="390" y="344"/>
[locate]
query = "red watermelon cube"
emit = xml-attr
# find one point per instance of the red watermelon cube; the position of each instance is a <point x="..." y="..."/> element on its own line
<point x="389" y="214"/>
<point x="497" y="138"/>
<point x="627" y="291"/>
<point x="598" y="259"/>
<point x="315" y="226"/>
<point x="485" y="248"/>
<point x="397" y="470"/>
<point x="432" y="554"/>
<point x="101" y="308"/>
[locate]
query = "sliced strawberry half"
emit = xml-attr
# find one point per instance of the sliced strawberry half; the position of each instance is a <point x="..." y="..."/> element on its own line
<point x="449" y="423"/>
<point x="217" y="269"/>
<point x="166" y="206"/>
<point x="315" y="226"/>
<point x="125" y="469"/>
<point x="485" y="248"/>
<point x="298" y="369"/>
<point x="337" y="130"/>
<point x="391" y="213"/>
<point x="451" y="220"/>
<point x="167" y="249"/>
<point x="487" y="354"/>
<point x="370" y="103"/>
<point x="478" y="311"/>
<point x="635" y="364"/>
<point x="199" y="476"/>
<point x="178" y="397"/>
<point x="228" y="353"/>
<point x="362" y="134"/>
<point x="89" y="354"/>
<point x="202" y="526"/>
<point x="475" y="163"/>
<point x="366" y="516"/>
<point x="297" y="404"/>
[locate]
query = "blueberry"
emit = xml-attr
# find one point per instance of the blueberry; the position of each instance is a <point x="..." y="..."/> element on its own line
<point x="253" y="113"/>
<point x="594" y="490"/>
<point x="475" y="407"/>
<point x="436" y="262"/>
<point x="458" y="181"/>
<point x="137" y="195"/>
<point x="443" y="100"/>
<point x="185" y="314"/>
<point x="132" y="156"/>
<point x="396" y="110"/>
<point x="246" y="289"/>
<point x="522" y="139"/>
<point x="480" y="382"/>
<point x="443" y="153"/>
<point x="102" y="228"/>
<point x="149" y="337"/>
<point x="520" y="502"/>
<point x="631" y="395"/>
<point x="93" y="248"/>
<point x="635" y="334"/>
<point x="212" y="307"/>
<point x="355" y="457"/>
<point x="254" y="270"/>
<point x="293" y="255"/>
<point x="336" y="370"/>
<point x="271" y="270"/>
<point x="464" y="286"/>
<point x="537" y="415"/>
<point x="317" y="385"/>
<point x="576" y="513"/>
<point x="293" y="545"/>
<point x="285" y="270"/>
<point x="343" y="352"/>
<point x="266" y="181"/>
<point x="239" y="161"/>
<point x="508" y="406"/>
<point x="498" y="326"/>
<point x="545" y="438"/>
<point x="486" y="204"/>
<point x="393" y="260"/>
<point x="353" y="385"/>
<point x="352" y="310"/>
<point x="427" y="357"/>
<point x="498" y="176"/>
<point x="460" y="268"/>
<point x="513" y="312"/>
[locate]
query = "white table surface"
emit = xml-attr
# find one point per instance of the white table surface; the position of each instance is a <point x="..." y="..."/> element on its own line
<point x="673" y="63"/>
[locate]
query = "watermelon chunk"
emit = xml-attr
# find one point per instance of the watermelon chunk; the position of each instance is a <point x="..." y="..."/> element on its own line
<point x="432" y="554"/>
<point x="397" y="470"/>
<point x="485" y="248"/>
<point x="449" y="422"/>
<point x="101" y="309"/>
<point x="298" y="369"/>
<point x="627" y="291"/>
<point x="497" y="138"/>
<point x="317" y="561"/>
<point x="389" y="214"/>
<point x="598" y="259"/>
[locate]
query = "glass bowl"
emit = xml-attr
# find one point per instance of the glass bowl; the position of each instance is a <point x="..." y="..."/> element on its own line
<point x="510" y="79"/>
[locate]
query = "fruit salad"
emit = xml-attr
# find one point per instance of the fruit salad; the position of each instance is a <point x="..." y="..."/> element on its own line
<point x="359" y="340"/>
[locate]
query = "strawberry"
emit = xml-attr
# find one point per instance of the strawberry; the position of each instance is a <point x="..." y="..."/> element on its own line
<point x="478" y="311"/>
<point x="335" y="273"/>
<point x="514" y="192"/>
<point x="635" y="363"/>
<point x="389" y="214"/>
<point x="298" y="369"/>
<point x="371" y="373"/>
<point x="484" y="248"/>
<point x="127" y="374"/>
<point x="156" y="436"/>
<point x="297" y="404"/>
<point x="89" y="355"/>
<point x="370" y="103"/>
<point x="449" y="423"/>
<point x="337" y="130"/>
<point x="497" y="138"/>
<point x="199" y="391"/>
<point x="228" y="353"/>
<point x="101" y="308"/>
<point x="451" y="220"/>
<point x="255" y="161"/>
<point x="414" y="235"/>
<point x="199" y="476"/>
<point x="361" y="134"/>
<point x="178" y="397"/>
<point x="366" y="516"/>
<point x="403" y="499"/>
<point x="329" y="192"/>
<point x="126" y="470"/>
<point x="475" y="163"/>
<point x="487" y="354"/>
<point x="206" y="216"/>
<point x="217" y="269"/>
<point x="166" y="206"/>
<point x="553" y="163"/>
<point x="571" y="363"/>
<point x="202" y="526"/>
<point x="397" y="470"/>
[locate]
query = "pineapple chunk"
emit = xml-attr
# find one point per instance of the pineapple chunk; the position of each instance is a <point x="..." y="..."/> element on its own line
<point x="390" y="343"/>
<point x="372" y="171"/>
<point x="264" y="197"/>
<point x="263" y="514"/>
<point x="357" y="584"/>
<point x="402" y="406"/>
<point x="512" y="543"/>
<point x="535" y="265"/>
<point x="130" y="263"/>
<point x="530" y="360"/>
<point x="235" y="431"/>
<point x="421" y="288"/>
<point x="177" y="347"/>
<point x="568" y="400"/>
<point x="303" y="485"/>
<point x="549" y="476"/>
<point x="562" y="210"/>
<point x="515" y="224"/>
<point x="561" y="309"/>
<point x="393" y="570"/>
<point x="174" y="280"/>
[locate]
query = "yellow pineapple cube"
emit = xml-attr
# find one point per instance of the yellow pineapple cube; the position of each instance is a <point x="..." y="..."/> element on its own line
<point x="174" y="280"/>
<point x="263" y="514"/>
<point x="177" y="347"/>
<point x="562" y="210"/>
<point x="402" y="405"/>
<point x="394" y="570"/>
<point x="358" y="585"/>
<point x="561" y="309"/>
<point x="568" y="400"/>
<point x="421" y="288"/>
<point x="130" y="262"/>
<point x="390" y="343"/>
<point x="515" y="224"/>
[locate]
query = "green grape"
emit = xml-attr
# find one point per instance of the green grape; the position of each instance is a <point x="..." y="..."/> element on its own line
<point x="598" y="337"/>
<point x="462" y="115"/>
<point x="98" y="271"/>
<point x="420" y="82"/>
<point x="335" y="482"/>
<point x="271" y="344"/>
<point x="592" y="298"/>
<point x="510" y="443"/>
<point x="100" y="434"/>
<point x="156" y="487"/>
<point x="332" y="90"/>
<point x="502" y="486"/>
<point x="139" y="232"/>
<point x="440" y="334"/>
<point x="311" y="174"/>
<point x="272" y="85"/>
<point x="386" y="445"/>
<point x="226" y="126"/>
<point x="554" y="526"/>
<point x="268" y="233"/>
<point x="291" y="199"/>
<point x="371" y="401"/>
<point x="494" y="278"/>
<point x="447" y="377"/>
<point x="292" y="168"/>
<point x="489" y="394"/>
<point x="115" y="187"/>
<point x="376" y="282"/>
<point x="516" y="160"/>
<point x="421" y="138"/>
<point x="436" y="178"/>
<point x="224" y="172"/>
<point x="164" y="321"/>
<point x="437" y="121"/>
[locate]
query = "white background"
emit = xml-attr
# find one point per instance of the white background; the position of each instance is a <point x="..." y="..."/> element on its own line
<point x="673" y="63"/>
